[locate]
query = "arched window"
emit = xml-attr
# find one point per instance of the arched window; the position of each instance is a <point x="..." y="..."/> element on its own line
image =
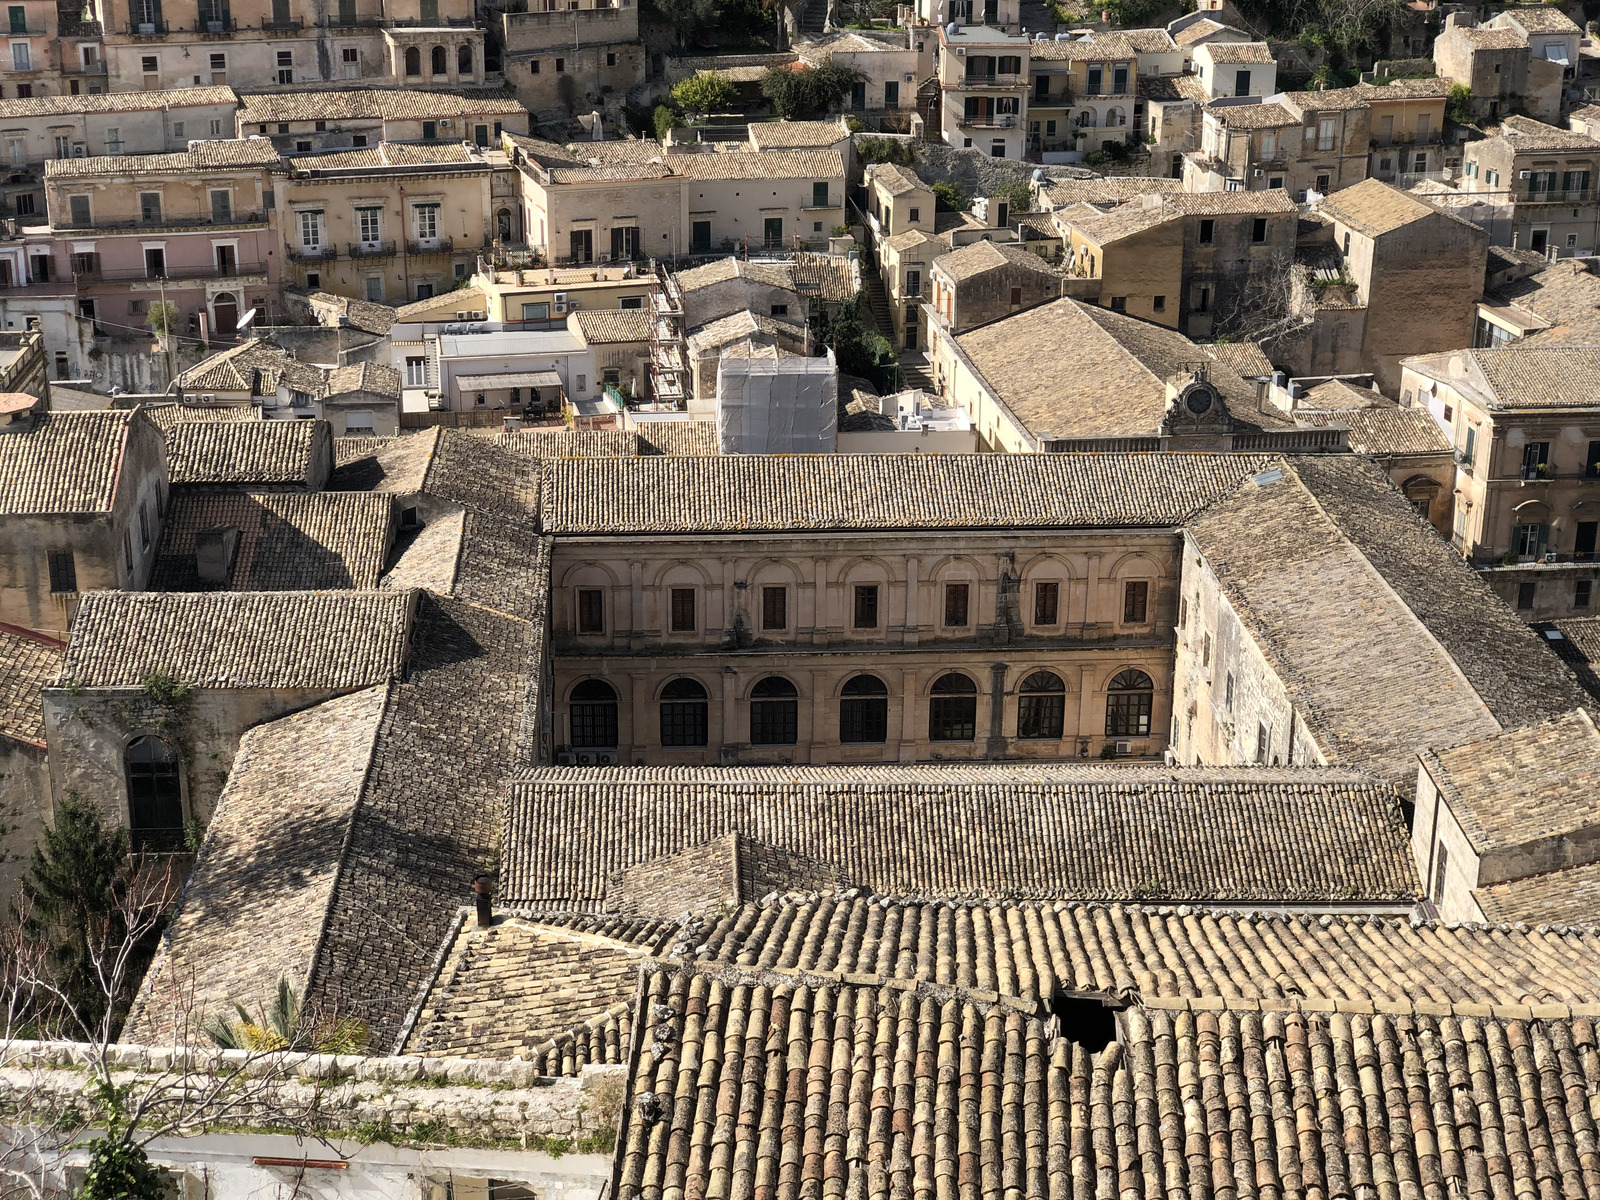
<point x="155" y="795"/>
<point x="441" y="61"/>
<point x="953" y="710"/>
<point x="683" y="714"/>
<point x="774" y="713"/>
<point x="413" y="61"/>
<point x="594" y="715"/>
<point x="1128" y="705"/>
<point x="464" y="60"/>
<point x="1042" y="706"/>
<point x="864" y="711"/>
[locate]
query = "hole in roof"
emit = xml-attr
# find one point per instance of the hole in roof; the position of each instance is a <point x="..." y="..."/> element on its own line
<point x="1266" y="477"/>
<point x="1084" y="1020"/>
<point x="1554" y="635"/>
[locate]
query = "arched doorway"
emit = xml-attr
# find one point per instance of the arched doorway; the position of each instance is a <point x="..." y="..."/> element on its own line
<point x="413" y="61"/>
<point x="225" y="315"/>
<point x="502" y="225"/>
<point x="441" y="61"/>
<point x="155" y="795"/>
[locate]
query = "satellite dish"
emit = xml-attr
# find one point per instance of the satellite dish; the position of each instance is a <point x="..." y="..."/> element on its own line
<point x="244" y="321"/>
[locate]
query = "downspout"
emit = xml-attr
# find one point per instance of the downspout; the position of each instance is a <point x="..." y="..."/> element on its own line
<point x="405" y="264"/>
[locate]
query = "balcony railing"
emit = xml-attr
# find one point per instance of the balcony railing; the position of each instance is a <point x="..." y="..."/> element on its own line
<point x="430" y="246"/>
<point x="441" y="23"/>
<point x="339" y="22"/>
<point x="171" y="274"/>
<point x="95" y="68"/>
<point x="1556" y="196"/>
<point x="996" y="121"/>
<point x="371" y="249"/>
<point x="311" y="254"/>
<point x="994" y="79"/>
<point x="26" y="31"/>
<point x="208" y="221"/>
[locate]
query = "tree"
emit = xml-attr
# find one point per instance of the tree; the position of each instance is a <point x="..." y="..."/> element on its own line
<point x="69" y="893"/>
<point x="809" y="92"/>
<point x="1458" y="107"/>
<point x="163" y="318"/>
<point x="686" y="17"/>
<point x="857" y="349"/>
<point x="704" y="92"/>
<point x="947" y="197"/>
<point x="666" y="121"/>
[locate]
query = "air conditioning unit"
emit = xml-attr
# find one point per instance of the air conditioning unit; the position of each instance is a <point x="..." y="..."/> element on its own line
<point x="911" y="77"/>
<point x="461" y="314"/>
<point x="560" y="301"/>
<point x="573" y="307"/>
<point x="1124" y="749"/>
<point x="476" y="315"/>
<point x="1524" y="174"/>
<point x="208" y="398"/>
<point x="1259" y="173"/>
<point x="455" y="327"/>
<point x="565" y="758"/>
<point x="444" y="124"/>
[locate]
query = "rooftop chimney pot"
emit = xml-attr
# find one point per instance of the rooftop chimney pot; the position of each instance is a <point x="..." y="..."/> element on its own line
<point x="483" y="894"/>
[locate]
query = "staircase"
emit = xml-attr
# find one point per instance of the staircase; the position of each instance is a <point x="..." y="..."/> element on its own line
<point x="914" y="371"/>
<point x="877" y="299"/>
<point x="814" y="16"/>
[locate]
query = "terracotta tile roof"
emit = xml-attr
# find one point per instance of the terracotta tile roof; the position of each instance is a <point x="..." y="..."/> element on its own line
<point x="740" y="326"/>
<point x="533" y="990"/>
<point x="242" y="153"/>
<point x="773" y="274"/>
<point x="731" y="493"/>
<point x="1245" y="359"/>
<point x="466" y="717"/>
<point x="165" y="416"/>
<point x="1337" y="394"/>
<point x="1203" y="204"/>
<point x="1199" y="31"/>
<point x="1507" y="664"/>
<point x="691" y="438"/>
<point x="871" y="1089"/>
<point x="1168" y="89"/>
<point x="393" y="104"/>
<point x="1107" y="374"/>
<point x="261" y="884"/>
<point x="278" y="453"/>
<point x="257" y="367"/>
<point x="805" y="165"/>
<point x="240" y="639"/>
<point x="1538" y="18"/>
<point x="1569" y="897"/>
<point x="1382" y="431"/>
<point x="1530" y="377"/>
<point x="1492" y="39"/>
<point x="910" y="240"/>
<point x="28" y="664"/>
<point x="1528" y="135"/>
<point x="826" y="276"/>
<point x="287" y="541"/>
<point x="567" y="443"/>
<point x="1254" y="116"/>
<point x="1577" y="643"/>
<point x="443" y="306"/>
<point x="1519" y="787"/>
<point x="1105" y="227"/>
<point x="116" y="102"/>
<point x="1238" y="52"/>
<point x="348" y="449"/>
<point x="1106" y="47"/>
<point x="398" y="465"/>
<point x="1564" y="295"/>
<point x="984" y="255"/>
<point x="482" y="475"/>
<point x="377" y="379"/>
<point x="1107" y="191"/>
<point x="1370" y="696"/>
<point x="1375" y="208"/>
<point x="365" y="315"/>
<point x="614" y="325"/>
<point x="388" y="154"/>
<point x="896" y="180"/>
<point x="1363" y="95"/>
<point x="67" y="463"/>
<point x="791" y="135"/>
<point x="1150" y="41"/>
<point x="1024" y="831"/>
<point x="715" y="875"/>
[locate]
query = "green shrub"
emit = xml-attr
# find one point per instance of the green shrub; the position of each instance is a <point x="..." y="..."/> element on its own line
<point x="705" y="91"/>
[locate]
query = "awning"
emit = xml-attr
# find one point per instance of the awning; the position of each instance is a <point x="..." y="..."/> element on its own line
<point x="482" y="383"/>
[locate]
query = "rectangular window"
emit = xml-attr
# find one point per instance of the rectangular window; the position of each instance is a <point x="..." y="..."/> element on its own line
<point x="1208" y="229"/>
<point x="144" y="527"/>
<point x="1263" y="742"/>
<point x="819" y="195"/>
<point x="1046" y="603"/>
<point x="430" y="130"/>
<point x="536" y="312"/>
<point x="913" y="283"/>
<point x="891" y="95"/>
<point x="1135" y="600"/>
<point x="683" y="610"/>
<point x="371" y="225"/>
<point x="1258" y="230"/>
<point x="150" y="207"/>
<point x="1580" y="592"/>
<point x="374" y="288"/>
<point x="311" y="230"/>
<point x="1529" y="541"/>
<point x="1536" y="460"/>
<point x="63" y="572"/>
<point x="127" y="549"/>
<point x="80" y="210"/>
<point x="1441" y="868"/>
<point x="866" y="611"/>
<point x="1204" y="302"/>
<point x="1525" y="592"/>
<point x="955" y="605"/>
<point x="1096" y="77"/>
<point x="20" y="57"/>
<point x="1325" y="130"/>
<point x="774" y="608"/>
<point x="1227" y="693"/>
<point x="591" y="610"/>
<point x="416" y="372"/>
<point x="1470" y="451"/>
<point x="221" y="207"/>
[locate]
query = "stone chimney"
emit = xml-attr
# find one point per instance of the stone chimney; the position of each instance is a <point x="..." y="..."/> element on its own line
<point x="483" y="896"/>
<point x="18" y="411"/>
<point x="214" y="551"/>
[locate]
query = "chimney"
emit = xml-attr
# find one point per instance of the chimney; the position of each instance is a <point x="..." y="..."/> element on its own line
<point x="17" y="411"/>
<point x="483" y="895"/>
<point x="214" y="550"/>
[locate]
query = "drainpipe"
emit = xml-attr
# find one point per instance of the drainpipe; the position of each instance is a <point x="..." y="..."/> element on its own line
<point x="400" y="242"/>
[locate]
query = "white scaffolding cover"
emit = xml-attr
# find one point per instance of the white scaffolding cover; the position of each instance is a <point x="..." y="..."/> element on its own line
<point x="777" y="405"/>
